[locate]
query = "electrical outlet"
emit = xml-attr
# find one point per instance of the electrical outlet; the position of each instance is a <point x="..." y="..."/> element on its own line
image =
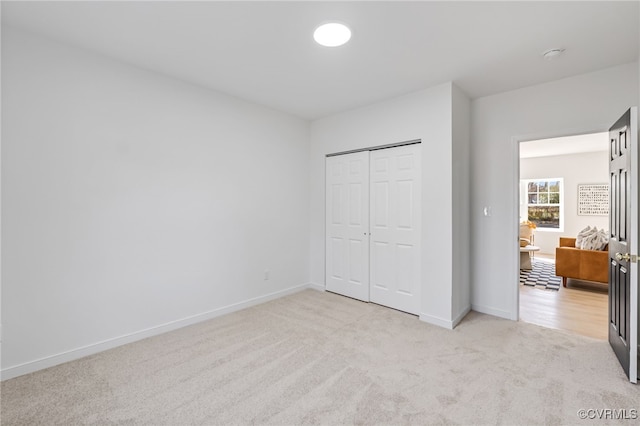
<point x="266" y="274"/>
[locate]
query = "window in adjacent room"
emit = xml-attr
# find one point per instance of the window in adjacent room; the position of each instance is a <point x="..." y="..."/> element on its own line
<point x="544" y="203"/>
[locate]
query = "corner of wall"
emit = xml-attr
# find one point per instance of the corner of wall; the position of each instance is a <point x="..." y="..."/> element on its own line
<point x="461" y="179"/>
<point x="434" y="320"/>
<point x="316" y="287"/>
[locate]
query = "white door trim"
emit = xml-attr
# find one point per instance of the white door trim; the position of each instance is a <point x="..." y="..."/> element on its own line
<point x="633" y="277"/>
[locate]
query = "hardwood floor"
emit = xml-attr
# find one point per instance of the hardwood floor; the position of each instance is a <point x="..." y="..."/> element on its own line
<point x="580" y="308"/>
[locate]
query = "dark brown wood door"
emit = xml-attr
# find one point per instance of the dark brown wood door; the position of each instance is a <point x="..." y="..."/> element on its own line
<point x="620" y="240"/>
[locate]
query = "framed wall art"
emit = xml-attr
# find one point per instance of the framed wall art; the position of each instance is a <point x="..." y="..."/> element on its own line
<point x="593" y="199"/>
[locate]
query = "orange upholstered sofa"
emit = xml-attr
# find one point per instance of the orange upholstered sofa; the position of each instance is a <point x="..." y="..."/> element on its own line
<point x="587" y="265"/>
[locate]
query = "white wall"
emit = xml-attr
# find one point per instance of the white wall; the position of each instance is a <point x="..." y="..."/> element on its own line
<point x="461" y="180"/>
<point x="0" y="198"/>
<point x="425" y="115"/>
<point x="131" y="201"/>
<point x="581" y="104"/>
<point x="586" y="167"/>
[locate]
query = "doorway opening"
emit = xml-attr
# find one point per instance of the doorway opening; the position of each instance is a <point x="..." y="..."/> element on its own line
<point x="563" y="187"/>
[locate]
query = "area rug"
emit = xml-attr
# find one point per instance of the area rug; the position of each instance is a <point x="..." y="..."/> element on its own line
<point x="543" y="275"/>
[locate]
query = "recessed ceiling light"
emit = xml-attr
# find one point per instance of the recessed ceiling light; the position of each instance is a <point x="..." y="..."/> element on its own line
<point x="552" y="53"/>
<point x="332" y="34"/>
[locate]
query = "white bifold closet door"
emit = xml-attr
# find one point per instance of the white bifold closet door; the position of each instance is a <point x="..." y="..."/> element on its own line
<point x="373" y="226"/>
<point x="395" y="227"/>
<point x="347" y="215"/>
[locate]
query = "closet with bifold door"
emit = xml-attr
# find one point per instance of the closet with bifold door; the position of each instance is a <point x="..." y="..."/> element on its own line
<point x="373" y="224"/>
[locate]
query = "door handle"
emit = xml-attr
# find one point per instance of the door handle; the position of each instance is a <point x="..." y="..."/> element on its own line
<point x="626" y="257"/>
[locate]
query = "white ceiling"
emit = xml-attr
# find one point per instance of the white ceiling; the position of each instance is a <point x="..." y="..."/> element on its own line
<point x="594" y="142"/>
<point x="264" y="51"/>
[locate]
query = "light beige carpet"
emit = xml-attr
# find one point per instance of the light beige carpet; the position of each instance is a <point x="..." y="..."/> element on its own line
<point x="321" y="358"/>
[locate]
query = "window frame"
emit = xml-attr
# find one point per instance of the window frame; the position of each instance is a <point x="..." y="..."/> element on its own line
<point x="560" y="204"/>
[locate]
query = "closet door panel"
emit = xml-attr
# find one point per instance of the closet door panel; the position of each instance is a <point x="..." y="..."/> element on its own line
<point x="395" y="226"/>
<point x="347" y="225"/>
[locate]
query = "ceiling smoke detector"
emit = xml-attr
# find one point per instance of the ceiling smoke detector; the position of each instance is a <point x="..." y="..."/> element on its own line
<point x="552" y="53"/>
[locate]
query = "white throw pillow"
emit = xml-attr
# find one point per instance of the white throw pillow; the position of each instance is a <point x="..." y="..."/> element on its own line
<point x="592" y="239"/>
<point x="581" y="235"/>
<point x="589" y="242"/>
<point x="602" y="239"/>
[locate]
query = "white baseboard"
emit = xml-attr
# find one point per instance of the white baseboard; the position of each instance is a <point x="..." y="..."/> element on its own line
<point x="50" y="361"/>
<point x="440" y="322"/>
<point x="317" y="287"/>
<point x="491" y="311"/>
